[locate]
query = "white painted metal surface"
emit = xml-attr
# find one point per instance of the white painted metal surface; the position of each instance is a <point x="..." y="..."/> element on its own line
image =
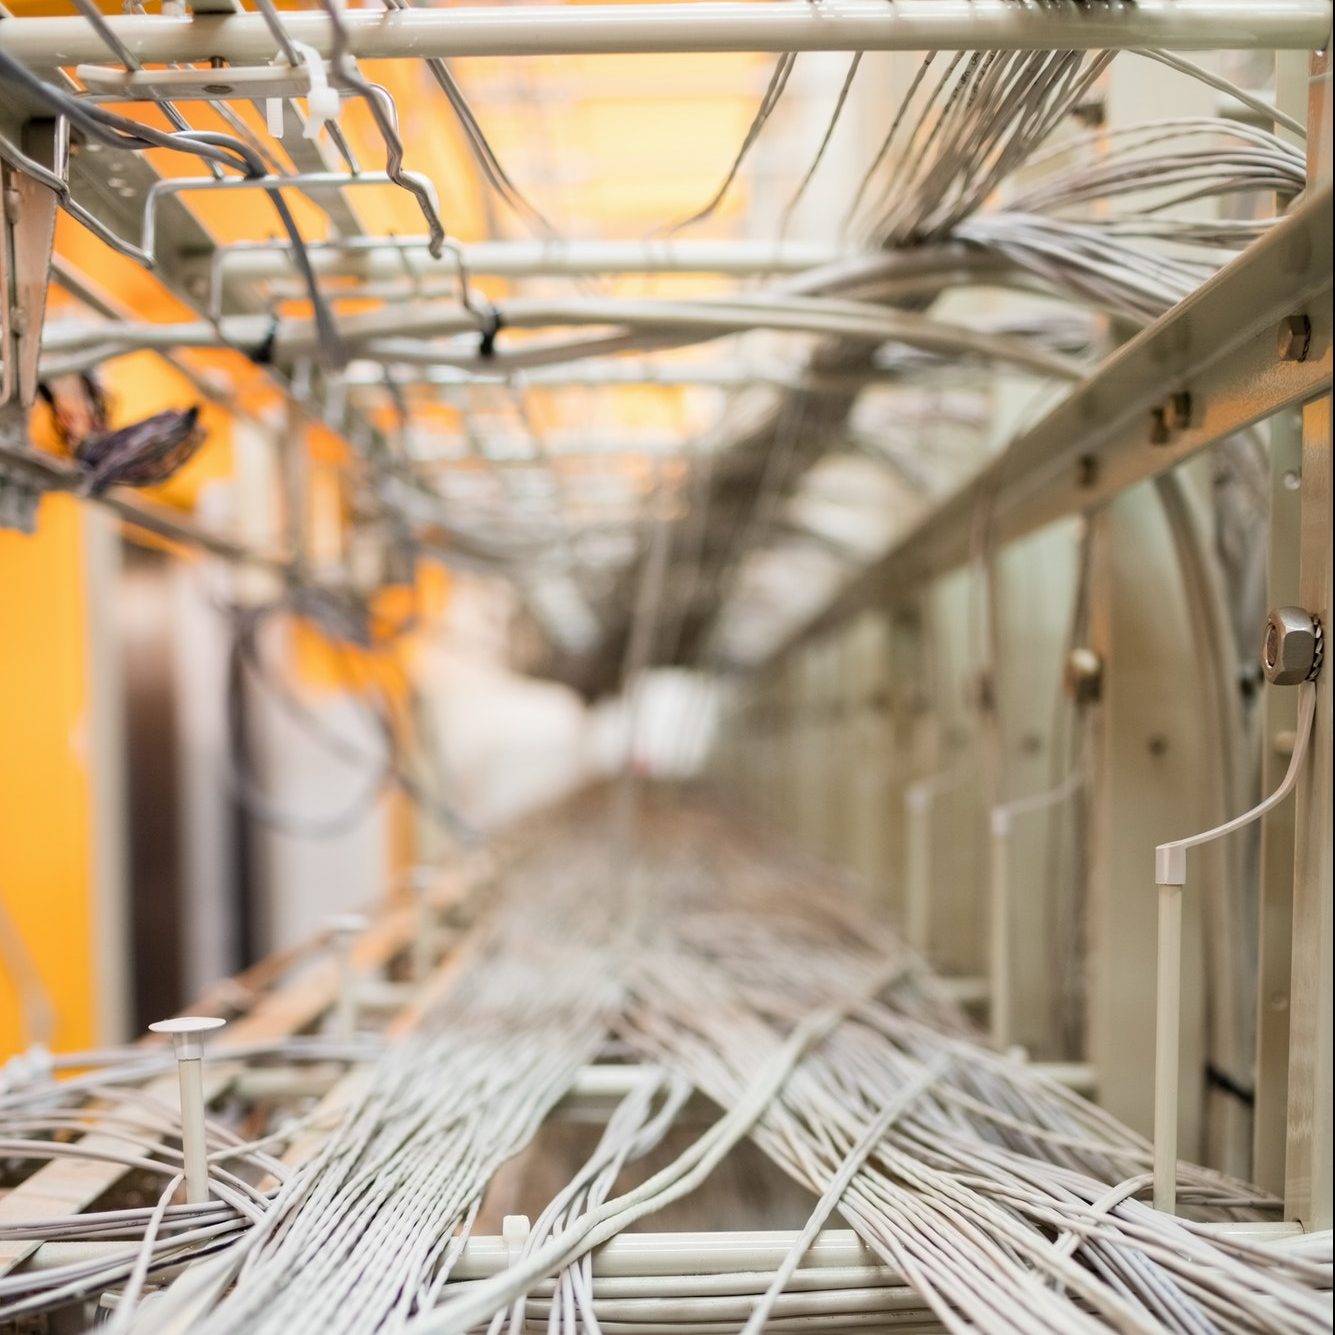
<point x="839" y="25"/>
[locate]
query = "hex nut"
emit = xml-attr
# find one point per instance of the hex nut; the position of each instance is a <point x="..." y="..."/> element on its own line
<point x="1295" y="338"/>
<point x="1291" y="646"/>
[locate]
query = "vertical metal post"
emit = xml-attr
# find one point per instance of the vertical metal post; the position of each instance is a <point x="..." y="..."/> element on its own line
<point x="1308" y="1157"/>
<point x="1275" y="889"/>
<point x="1308" y="1167"/>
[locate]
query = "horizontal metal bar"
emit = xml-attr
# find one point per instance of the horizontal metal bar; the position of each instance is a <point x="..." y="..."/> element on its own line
<point x="724" y="1252"/>
<point x="375" y="257"/>
<point x="1216" y="351"/>
<point x="766" y="25"/>
<point x="836" y="1257"/>
<point x="196" y="85"/>
<point x="632" y="371"/>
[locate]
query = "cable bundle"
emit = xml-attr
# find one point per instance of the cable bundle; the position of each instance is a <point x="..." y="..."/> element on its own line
<point x="1002" y="1201"/>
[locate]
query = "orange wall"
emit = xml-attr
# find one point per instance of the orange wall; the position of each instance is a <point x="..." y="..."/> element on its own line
<point x="45" y="794"/>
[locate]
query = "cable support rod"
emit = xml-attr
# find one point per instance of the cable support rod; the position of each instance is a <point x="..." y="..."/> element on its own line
<point x="768" y="25"/>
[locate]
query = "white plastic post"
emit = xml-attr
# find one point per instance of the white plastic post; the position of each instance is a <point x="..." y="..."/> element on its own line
<point x="424" y="937"/>
<point x="999" y="945"/>
<point x="1167" y="1041"/>
<point x="917" y="876"/>
<point x="187" y="1033"/>
<point x="344" y="930"/>
<point x="1170" y="875"/>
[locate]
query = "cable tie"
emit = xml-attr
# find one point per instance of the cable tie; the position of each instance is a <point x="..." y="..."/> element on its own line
<point x="322" y="102"/>
<point x="263" y="355"/>
<point x="492" y="324"/>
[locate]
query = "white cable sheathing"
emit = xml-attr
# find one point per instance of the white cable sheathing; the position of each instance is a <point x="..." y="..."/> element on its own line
<point x="998" y="1200"/>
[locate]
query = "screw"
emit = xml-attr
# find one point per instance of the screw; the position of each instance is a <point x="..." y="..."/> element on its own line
<point x="1158" y="744"/>
<point x="219" y="88"/>
<point x="1086" y="472"/>
<point x="187" y="1037"/>
<point x="344" y="930"/>
<point x="1295" y="338"/>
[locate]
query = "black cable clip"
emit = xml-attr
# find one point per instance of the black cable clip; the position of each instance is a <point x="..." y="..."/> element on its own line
<point x="263" y="354"/>
<point x="492" y="324"/>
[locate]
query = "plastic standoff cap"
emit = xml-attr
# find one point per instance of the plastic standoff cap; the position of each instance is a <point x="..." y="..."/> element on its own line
<point x="187" y="1032"/>
<point x="422" y="877"/>
<point x="345" y="924"/>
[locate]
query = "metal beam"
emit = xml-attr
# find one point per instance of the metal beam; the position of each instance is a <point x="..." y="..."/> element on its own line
<point x="1209" y="365"/>
<point x="767" y="25"/>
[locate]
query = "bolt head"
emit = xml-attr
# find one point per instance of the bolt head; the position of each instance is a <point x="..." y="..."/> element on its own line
<point x="1294" y="338"/>
<point x="1290" y="646"/>
<point x="346" y="924"/>
<point x="1083" y="675"/>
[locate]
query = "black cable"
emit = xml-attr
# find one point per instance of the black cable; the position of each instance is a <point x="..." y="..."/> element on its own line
<point x="245" y="659"/>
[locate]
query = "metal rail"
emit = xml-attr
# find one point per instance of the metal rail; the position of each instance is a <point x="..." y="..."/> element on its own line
<point x="1216" y="349"/>
<point x="768" y="25"/>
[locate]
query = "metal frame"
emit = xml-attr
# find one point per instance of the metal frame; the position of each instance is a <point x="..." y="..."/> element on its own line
<point x="1202" y="370"/>
<point x="1097" y="441"/>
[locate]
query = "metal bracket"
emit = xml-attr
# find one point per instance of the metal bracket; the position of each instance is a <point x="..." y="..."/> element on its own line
<point x="27" y="236"/>
<point x="20" y="488"/>
<point x="28" y="214"/>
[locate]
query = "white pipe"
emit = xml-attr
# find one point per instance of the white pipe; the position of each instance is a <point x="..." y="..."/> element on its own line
<point x="765" y="25"/>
